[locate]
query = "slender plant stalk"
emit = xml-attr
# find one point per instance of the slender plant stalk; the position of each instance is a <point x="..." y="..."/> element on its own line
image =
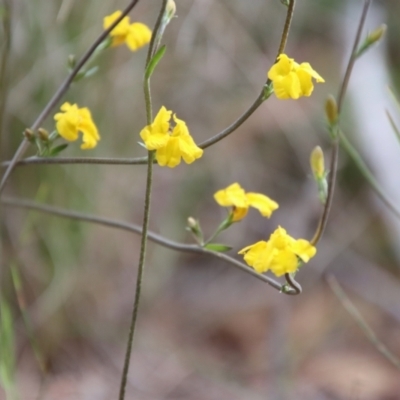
<point x="360" y="321"/>
<point x="286" y="28"/>
<point x="134" y="228"/>
<point x="60" y="92"/>
<point x="147" y="201"/>
<point x="335" y="141"/>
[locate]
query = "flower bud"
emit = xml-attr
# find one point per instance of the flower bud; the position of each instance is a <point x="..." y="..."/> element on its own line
<point x="170" y="9"/>
<point x="371" y="39"/>
<point x="192" y="223"/>
<point x="43" y="134"/>
<point x="29" y="134"/>
<point x="331" y="111"/>
<point x="376" y="34"/>
<point x="317" y="163"/>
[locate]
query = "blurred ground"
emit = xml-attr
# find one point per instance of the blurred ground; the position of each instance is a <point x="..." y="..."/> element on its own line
<point x="206" y="331"/>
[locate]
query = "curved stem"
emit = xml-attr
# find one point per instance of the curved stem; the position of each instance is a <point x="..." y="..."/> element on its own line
<point x="227" y="131"/>
<point x="297" y="289"/>
<point x="60" y="92"/>
<point x="154" y="237"/>
<point x="335" y="142"/>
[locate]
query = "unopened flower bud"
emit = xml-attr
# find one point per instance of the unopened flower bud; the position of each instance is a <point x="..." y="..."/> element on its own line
<point x="43" y="134"/>
<point x="377" y="34"/>
<point x="317" y="163"/>
<point x="192" y="223"/>
<point x="331" y="111"/>
<point x="371" y="39"/>
<point x="170" y="9"/>
<point x="29" y="134"/>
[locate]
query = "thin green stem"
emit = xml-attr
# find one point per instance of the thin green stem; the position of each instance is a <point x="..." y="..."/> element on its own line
<point x="154" y="41"/>
<point x="335" y="141"/>
<point x="360" y="321"/>
<point x="134" y="228"/>
<point x="146" y="217"/>
<point x="139" y="278"/>
<point x="60" y="92"/>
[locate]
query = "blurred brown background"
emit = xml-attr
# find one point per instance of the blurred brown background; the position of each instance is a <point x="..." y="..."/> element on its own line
<point x="206" y="330"/>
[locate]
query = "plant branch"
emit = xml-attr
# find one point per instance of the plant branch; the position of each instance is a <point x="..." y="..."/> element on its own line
<point x="134" y="228"/>
<point x="60" y="92"/>
<point x="335" y="141"/>
<point x="147" y="201"/>
<point x="286" y="28"/>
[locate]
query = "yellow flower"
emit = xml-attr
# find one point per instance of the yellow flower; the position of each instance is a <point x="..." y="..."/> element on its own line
<point x="291" y="80"/>
<point x="73" y="120"/>
<point x="281" y="253"/>
<point x="240" y="201"/>
<point x="170" y="146"/>
<point x="135" y="35"/>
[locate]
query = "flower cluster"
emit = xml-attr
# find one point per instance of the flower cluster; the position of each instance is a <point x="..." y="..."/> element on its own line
<point x="291" y="80"/>
<point x="281" y="253"/>
<point x="173" y="145"/>
<point x="135" y="35"/>
<point x="240" y="201"/>
<point x="73" y="120"/>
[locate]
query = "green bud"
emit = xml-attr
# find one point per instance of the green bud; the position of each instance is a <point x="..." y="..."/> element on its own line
<point x="331" y="111"/>
<point x="43" y="134"/>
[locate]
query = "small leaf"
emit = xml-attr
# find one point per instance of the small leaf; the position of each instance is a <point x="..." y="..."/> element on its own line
<point x="217" y="247"/>
<point x="58" y="149"/>
<point x="91" y="71"/>
<point x="154" y="61"/>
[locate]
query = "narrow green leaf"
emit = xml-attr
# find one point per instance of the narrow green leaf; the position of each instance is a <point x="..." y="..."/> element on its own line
<point x="91" y="71"/>
<point x="58" y="149"/>
<point x="217" y="247"/>
<point x="154" y="61"/>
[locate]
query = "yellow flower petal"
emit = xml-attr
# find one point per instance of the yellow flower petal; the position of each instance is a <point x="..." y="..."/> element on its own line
<point x="262" y="203"/>
<point x="233" y="195"/>
<point x="291" y="80"/>
<point x="138" y="36"/>
<point x="121" y="31"/>
<point x="156" y="136"/>
<point x="280" y="254"/>
<point x="258" y="256"/>
<point x="169" y="155"/>
<point x="73" y="120"/>
<point x="239" y="213"/>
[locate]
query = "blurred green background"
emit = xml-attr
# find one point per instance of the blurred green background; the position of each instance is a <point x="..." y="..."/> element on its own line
<point x="205" y="330"/>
